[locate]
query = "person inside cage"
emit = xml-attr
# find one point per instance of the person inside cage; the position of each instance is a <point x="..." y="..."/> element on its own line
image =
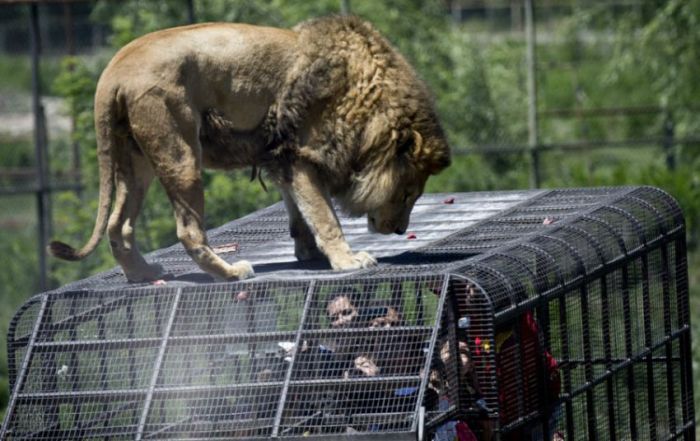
<point x="365" y="356"/>
<point x="523" y="366"/>
<point x="471" y="347"/>
<point x="336" y="356"/>
<point x="343" y="312"/>
<point x="518" y="354"/>
<point x="341" y="356"/>
<point x="445" y="383"/>
<point x="349" y="310"/>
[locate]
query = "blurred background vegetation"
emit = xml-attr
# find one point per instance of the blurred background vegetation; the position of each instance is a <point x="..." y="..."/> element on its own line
<point x="617" y="95"/>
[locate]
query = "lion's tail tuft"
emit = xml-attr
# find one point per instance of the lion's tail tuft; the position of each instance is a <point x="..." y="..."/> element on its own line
<point x="63" y="251"/>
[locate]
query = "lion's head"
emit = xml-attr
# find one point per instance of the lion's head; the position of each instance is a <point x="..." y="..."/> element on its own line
<point x="380" y="138"/>
<point x="393" y="177"/>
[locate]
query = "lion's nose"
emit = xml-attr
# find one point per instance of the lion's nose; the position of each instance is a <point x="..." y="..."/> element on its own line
<point x="400" y="230"/>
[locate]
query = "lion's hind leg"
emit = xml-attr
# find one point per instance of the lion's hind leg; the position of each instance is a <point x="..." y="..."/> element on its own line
<point x="171" y="142"/>
<point x="132" y="176"/>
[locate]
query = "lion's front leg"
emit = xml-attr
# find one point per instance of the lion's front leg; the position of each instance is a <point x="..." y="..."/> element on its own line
<point x="306" y="194"/>
<point x="304" y="242"/>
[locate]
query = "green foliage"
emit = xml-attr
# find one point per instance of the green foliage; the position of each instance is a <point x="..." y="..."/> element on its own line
<point x="660" y="43"/>
<point x="630" y="168"/>
<point x="132" y="18"/>
<point x="473" y="173"/>
<point x="18" y="271"/>
<point x="683" y="184"/>
<point x="234" y="195"/>
<point x="16" y="75"/>
<point x="17" y="281"/>
<point x="16" y="152"/>
<point x="76" y="84"/>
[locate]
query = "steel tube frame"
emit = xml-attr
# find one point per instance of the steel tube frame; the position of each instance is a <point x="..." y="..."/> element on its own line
<point x="157" y="365"/>
<point x="21" y="377"/>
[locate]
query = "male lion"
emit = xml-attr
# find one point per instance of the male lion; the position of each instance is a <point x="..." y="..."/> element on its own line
<point x="328" y="109"/>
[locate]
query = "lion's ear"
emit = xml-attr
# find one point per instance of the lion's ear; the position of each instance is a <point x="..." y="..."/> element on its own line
<point x="429" y="156"/>
<point x="405" y="143"/>
<point x="417" y="143"/>
<point x="409" y="143"/>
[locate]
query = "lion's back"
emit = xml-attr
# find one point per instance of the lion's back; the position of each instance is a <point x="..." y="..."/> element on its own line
<point x="207" y="56"/>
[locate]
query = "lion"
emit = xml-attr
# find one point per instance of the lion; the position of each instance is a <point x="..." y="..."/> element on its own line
<point x="328" y="109"/>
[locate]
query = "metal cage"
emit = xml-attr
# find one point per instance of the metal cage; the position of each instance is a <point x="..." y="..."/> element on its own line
<point x="534" y="315"/>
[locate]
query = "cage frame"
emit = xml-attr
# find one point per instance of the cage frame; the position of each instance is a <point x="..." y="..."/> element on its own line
<point x="653" y="223"/>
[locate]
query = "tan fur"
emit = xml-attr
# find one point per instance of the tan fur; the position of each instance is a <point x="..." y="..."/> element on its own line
<point x="328" y="109"/>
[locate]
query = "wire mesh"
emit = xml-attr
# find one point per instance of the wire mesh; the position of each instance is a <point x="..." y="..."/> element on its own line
<point x="227" y="361"/>
<point x="545" y="315"/>
<point x="587" y="324"/>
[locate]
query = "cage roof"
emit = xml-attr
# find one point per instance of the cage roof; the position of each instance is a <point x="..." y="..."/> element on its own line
<point x="447" y="234"/>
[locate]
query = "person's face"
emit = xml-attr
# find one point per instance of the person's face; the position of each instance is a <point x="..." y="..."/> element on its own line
<point x="341" y="312"/>
<point x="464" y="361"/>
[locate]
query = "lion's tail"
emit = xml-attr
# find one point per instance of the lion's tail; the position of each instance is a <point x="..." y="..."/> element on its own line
<point x="105" y="120"/>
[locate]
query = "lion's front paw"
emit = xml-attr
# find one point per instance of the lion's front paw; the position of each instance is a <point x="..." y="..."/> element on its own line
<point x="240" y="270"/>
<point x="354" y="261"/>
<point x="366" y="259"/>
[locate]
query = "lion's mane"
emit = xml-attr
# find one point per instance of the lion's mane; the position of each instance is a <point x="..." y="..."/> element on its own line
<point x="361" y="97"/>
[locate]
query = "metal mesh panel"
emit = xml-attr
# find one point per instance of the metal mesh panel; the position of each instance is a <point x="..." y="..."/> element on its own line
<point x="241" y="360"/>
<point x="479" y="394"/>
<point x="520" y="315"/>
<point x="375" y="335"/>
<point x="591" y="306"/>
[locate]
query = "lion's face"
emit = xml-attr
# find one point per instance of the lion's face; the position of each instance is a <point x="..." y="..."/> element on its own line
<point x="394" y="191"/>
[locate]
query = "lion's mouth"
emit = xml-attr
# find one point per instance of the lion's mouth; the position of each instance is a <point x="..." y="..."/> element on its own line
<point x="371" y="226"/>
<point x="384" y="228"/>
